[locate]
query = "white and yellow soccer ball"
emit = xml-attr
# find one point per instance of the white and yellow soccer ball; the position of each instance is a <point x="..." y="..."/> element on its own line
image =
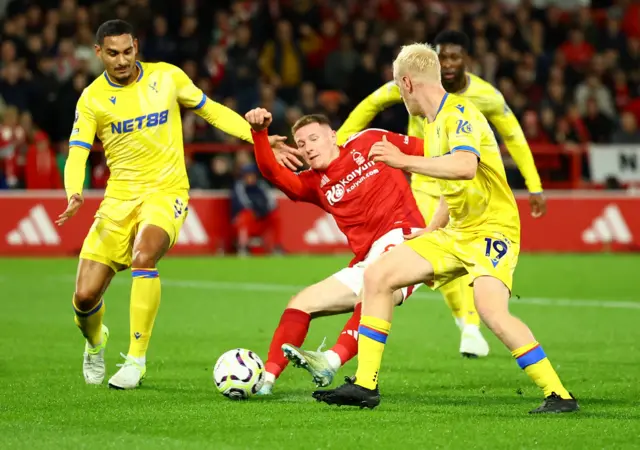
<point x="238" y="374"/>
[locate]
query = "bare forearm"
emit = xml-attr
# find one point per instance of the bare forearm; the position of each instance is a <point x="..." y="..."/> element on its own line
<point x="440" y="218"/>
<point x="445" y="167"/>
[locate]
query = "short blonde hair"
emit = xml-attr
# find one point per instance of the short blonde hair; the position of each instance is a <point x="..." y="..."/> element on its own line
<point x="418" y="61"/>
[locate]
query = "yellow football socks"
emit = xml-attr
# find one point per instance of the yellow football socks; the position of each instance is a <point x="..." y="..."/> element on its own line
<point x="90" y="322"/>
<point x="532" y="359"/>
<point x="145" y="301"/>
<point x="459" y="297"/>
<point x="372" y="336"/>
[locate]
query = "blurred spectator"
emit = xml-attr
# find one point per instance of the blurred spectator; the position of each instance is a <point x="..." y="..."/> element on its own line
<point x="221" y="174"/>
<point x="282" y="62"/>
<point x="41" y="170"/>
<point x="592" y="87"/>
<point x="598" y="125"/>
<point x="13" y="86"/>
<point x="242" y="69"/>
<point x="160" y="46"/>
<point x="254" y="212"/>
<point x="533" y="129"/>
<point x="340" y="65"/>
<point x="99" y="172"/>
<point x="577" y="50"/>
<point x="197" y="173"/>
<point x="628" y="132"/>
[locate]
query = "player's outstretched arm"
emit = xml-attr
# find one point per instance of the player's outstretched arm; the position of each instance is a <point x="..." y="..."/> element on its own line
<point x="80" y="142"/>
<point x="223" y="118"/>
<point x="381" y="99"/>
<point x="259" y="119"/>
<point x="74" y="173"/>
<point x="508" y="127"/>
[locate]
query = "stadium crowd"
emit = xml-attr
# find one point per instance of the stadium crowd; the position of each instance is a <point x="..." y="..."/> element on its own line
<point x="570" y="76"/>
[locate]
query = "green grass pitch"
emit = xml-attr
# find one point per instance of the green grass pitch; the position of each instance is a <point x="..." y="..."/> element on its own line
<point x="585" y="310"/>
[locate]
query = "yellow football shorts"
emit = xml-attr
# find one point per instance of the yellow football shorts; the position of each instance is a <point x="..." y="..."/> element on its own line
<point x="110" y="239"/>
<point x="456" y="253"/>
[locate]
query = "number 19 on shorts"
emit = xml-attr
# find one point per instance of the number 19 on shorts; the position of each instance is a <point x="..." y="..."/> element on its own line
<point x="497" y="247"/>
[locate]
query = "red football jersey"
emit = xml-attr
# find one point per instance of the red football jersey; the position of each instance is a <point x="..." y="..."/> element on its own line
<point x="366" y="199"/>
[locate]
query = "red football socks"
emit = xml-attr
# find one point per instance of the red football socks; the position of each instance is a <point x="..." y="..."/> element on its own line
<point x="347" y="345"/>
<point x="292" y="329"/>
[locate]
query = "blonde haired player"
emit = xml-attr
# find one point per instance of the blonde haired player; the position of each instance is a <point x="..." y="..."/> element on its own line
<point x="452" y="49"/>
<point x="475" y="231"/>
<point x="134" y="108"/>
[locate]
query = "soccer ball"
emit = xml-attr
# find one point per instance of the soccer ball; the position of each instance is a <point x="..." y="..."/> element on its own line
<point x="238" y="374"/>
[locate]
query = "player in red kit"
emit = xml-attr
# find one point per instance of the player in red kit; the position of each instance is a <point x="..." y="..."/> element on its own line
<point x="372" y="205"/>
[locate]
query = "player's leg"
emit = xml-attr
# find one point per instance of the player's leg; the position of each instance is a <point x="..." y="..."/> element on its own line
<point x="243" y="225"/>
<point x="400" y="267"/>
<point x="492" y="301"/>
<point x="323" y="365"/>
<point x="158" y="219"/>
<point x="458" y="294"/>
<point x="328" y="297"/>
<point x="150" y="245"/>
<point x="92" y="280"/>
<point x="105" y="250"/>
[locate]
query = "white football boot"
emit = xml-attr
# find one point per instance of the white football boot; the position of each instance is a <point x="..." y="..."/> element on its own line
<point x="130" y="375"/>
<point x="472" y="343"/>
<point x="316" y="363"/>
<point x="93" y="367"/>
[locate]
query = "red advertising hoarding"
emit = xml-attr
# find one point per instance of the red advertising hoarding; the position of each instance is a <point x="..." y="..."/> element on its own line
<point x="576" y="222"/>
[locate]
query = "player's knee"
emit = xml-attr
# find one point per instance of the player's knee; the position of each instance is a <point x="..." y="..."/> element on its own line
<point x="377" y="278"/>
<point x="143" y="259"/>
<point x="86" y="298"/>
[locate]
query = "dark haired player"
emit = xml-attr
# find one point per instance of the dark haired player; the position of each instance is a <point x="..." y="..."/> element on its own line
<point x="453" y="48"/>
<point x="134" y="109"/>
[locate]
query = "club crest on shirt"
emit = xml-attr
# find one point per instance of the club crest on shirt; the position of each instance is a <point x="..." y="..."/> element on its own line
<point x="358" y="158"/>
<point x="77" y="116"/>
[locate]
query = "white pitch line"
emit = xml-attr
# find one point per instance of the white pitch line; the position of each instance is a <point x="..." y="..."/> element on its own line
<point x="424" y="293"/>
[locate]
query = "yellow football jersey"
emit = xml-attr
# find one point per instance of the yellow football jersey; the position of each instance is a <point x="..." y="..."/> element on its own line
<point x="484" y="203"/>
<point x="140" y="128"/>
<point x="483" y="95"/>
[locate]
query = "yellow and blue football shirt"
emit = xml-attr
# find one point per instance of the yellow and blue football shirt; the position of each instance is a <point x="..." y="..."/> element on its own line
<point x="141" y="129"/>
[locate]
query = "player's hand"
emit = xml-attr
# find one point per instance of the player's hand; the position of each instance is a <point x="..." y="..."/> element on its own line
<point x="75" y="202"/>
<point x="286" y="155"/>
<point x="538" y="204"/>
<point x="385" y="152"/>
<point x="416" y="233"/>
<point x="259" y="119"/>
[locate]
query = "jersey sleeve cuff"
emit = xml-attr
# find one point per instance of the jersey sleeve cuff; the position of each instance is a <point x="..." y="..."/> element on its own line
<point x="82" y="144"/>
<point x="465" y="148"/>
<point x="203" y="100"/>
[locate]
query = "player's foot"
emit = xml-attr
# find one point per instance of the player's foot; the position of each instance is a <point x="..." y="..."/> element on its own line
<point x="93" y="367"/>
<point x="350" y="394"/>
<point x="267" y="386"/>
<point x="556" y="404"/>
<point x="472" y="343"/>
<point x="316" y="363"/>
<point x="266" y="389"/>
<point x="130" y="375"/>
